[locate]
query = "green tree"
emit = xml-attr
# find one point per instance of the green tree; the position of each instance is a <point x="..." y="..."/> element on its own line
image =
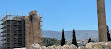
<point x="63" y="38"/>
<point x="50" y="41"/>
<point x="108" y="34"/>
<point x="74" y="39"/>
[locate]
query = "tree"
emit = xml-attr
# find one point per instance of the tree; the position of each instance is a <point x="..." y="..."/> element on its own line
<point x="74" y="39"/>
<point x="108" y="34"/>
<point x="50" y="41"/>
<point x="63" y="38"/>
<point x="89" y="40"/>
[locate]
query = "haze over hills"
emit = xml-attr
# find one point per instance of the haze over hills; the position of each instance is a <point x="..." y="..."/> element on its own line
<point x="80" y="34"/>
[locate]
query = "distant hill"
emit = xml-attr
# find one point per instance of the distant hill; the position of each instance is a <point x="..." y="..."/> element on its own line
<point x="80" y="34"/>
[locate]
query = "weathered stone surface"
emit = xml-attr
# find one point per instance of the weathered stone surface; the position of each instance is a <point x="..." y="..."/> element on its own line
<point x="59" y="47"/>
<point x="49" y="47"/>
<point x="98" y="45"/>
<point x="66" y="47"/>
<point x="19" y="48"/>
<point x="90" y="45"/>
<point x="73" y="47"/>
<point x="35" y="46"/>
<point x="104" y="44"/>
<point x="102" y="28"/>
<point x="43" y="47"/>
<point x="54" y="47"/>
<point x="82" y="47"/>
<point x="33" y="29"/>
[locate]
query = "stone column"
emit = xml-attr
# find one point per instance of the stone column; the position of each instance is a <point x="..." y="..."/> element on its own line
<point x="27" y="32"/>
<point x="36" y="27"/>
<point x="32" y="29"/>
<point x="102" y="29"/>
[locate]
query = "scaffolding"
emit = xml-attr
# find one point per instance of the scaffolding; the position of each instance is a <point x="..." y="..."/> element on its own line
<point x="21" y="31"/>
<point x="13" y="32"/>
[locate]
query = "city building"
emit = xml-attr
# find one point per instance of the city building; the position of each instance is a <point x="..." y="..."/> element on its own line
<point x="21" y="31"/>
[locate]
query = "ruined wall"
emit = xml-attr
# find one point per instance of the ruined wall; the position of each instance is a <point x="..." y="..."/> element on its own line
<point x="98" y="45"/>
<point x="33" y="29"/>
<point x="28" y="32"/>
<point x="35" y="23"/>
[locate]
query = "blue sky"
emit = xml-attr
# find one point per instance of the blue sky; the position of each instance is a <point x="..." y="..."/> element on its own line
<point x="59" y="14"/>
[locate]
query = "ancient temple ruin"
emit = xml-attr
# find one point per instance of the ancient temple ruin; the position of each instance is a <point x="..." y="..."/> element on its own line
<point x="33" y="29"/>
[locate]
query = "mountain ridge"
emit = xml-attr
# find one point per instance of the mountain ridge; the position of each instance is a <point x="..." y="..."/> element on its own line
<point x="80" y="34"/>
